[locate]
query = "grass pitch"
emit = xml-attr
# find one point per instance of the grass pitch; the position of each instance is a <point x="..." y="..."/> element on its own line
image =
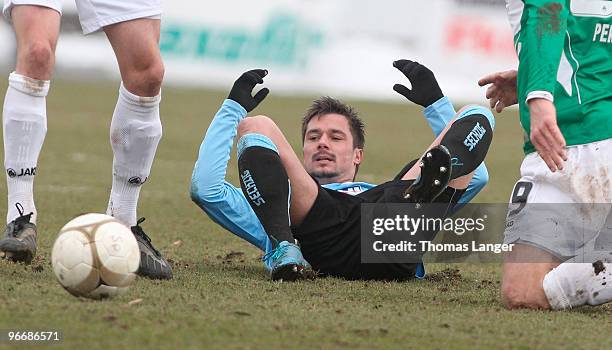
<point x="221" y="297"/>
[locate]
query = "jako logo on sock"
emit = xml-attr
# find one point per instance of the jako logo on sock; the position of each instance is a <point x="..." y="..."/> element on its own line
<point x="136" y="180"/>
<point x="474" y="136"/>
<point x="251" y="188"/>
<point x="24" y="171"/>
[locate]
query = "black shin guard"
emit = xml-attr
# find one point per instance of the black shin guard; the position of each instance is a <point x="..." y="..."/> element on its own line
<point x="265" y="184"/>
<point x="468" y="141"/>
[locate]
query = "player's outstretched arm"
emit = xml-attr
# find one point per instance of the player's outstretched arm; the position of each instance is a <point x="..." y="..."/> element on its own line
<point x="222" y="201"/>
<point x="502" y="90"/>
<point x="211" y="167"/>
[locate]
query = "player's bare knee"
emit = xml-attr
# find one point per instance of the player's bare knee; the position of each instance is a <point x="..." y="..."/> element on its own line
<point x="147" y="80"/>
<point x="154" y="76"/>
<point x="512" y="297"/>
<point x="36" y="60"/>
<point x="260" y="124"/>
<point x="519" y="296"/>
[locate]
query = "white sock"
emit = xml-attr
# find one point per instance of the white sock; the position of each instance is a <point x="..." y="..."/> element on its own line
<point x="24" y="120"/>
<point x="576" y="284"/>
<point x="135" y="133"/>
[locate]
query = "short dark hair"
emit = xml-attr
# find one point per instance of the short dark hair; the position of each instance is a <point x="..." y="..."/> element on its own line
<point x="328" y="105"/>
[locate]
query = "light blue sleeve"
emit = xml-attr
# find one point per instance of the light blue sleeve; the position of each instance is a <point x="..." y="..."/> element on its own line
<point x="438" y="115"/>
<point x="224" y="203"/>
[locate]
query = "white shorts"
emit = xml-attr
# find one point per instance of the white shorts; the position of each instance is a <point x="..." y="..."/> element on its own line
<point x="565" y="212"/>
<point x="96" y="14"/>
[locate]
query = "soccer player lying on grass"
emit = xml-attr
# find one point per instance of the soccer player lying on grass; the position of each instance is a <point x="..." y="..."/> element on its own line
<point x="317" y="203"/>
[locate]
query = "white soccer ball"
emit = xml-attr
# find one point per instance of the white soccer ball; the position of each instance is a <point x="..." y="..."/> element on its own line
<point x="95" y="256"/>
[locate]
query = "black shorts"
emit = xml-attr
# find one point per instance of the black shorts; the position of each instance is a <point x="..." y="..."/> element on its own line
<point x="330" y="235"/>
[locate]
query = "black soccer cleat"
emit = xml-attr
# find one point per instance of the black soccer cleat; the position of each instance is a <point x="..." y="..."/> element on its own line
<point x="152" y="263"/>
<point x="19" y="242"/>
<point x="435" y="175"/>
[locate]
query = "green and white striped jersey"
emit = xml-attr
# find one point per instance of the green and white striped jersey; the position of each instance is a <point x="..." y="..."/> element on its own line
<point x="565" y="55"/>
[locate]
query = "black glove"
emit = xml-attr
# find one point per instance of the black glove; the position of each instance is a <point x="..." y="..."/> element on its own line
<point x="243" y="87"/>
<point x="425" y="88"/>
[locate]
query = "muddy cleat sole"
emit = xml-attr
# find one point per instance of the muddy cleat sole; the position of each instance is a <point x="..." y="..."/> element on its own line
<point x="19" y="242"/>
<point x="292" y="272"/>
<point x="435" y="175"/>
<point x="289" y="272"/>
<point x="152" y="264"/>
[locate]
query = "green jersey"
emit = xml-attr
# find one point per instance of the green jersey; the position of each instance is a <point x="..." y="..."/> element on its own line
<point x="565" y="54"/>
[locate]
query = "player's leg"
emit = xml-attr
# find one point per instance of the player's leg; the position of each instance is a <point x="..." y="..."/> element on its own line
<point x="278" y="189"/>
<point x="552" y="264"/>
<point x="136" y="128"/>
<point x="303" y="188"/>
<point x="466" y="139"/>
<point x="552" y="285"/>
<point x="136" y="46"/>
<point x="24" y="119"/>
<point x="526" y="265"/>
<point x="523" y="274"/>
<point x="36" y="31"/>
